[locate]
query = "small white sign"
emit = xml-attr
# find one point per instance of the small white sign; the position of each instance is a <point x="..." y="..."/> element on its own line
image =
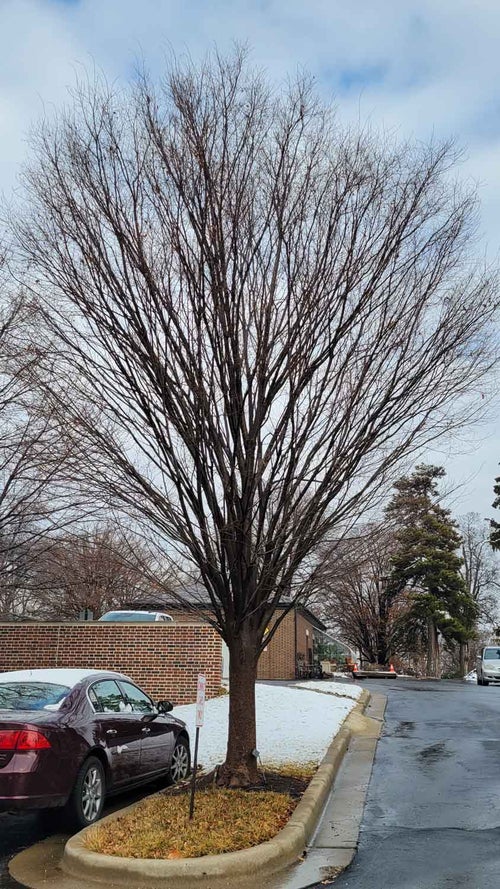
<point x="200" y="700"/>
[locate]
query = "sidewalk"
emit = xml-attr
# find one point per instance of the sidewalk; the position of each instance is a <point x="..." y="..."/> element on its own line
<point x="335" y="841"/>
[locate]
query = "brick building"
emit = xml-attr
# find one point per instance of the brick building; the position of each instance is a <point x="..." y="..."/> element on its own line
<point x="291" y="650"/>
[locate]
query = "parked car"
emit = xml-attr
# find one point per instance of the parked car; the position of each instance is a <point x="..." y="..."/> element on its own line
<point x="488" y="665"/>
<point x="71" y="738"/>
<point x="136" y="616"/>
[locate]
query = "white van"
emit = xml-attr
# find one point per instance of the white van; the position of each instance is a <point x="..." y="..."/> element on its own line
<point x="488" y="665"/>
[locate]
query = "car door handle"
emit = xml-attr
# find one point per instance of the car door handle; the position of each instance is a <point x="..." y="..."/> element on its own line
<point x="111" y="731"/>
<point x="146" y="730"/>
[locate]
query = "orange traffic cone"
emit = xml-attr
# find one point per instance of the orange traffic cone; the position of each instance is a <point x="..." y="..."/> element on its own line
<point x="391" y="669"/>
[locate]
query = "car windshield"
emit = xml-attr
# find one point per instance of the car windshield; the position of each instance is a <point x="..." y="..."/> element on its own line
<point x="31" y="695"/>
<point x="128" y="615"/>
<point x="491" y="654"/>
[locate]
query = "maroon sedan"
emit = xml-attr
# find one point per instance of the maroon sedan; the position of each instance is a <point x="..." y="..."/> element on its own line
<point x="72" y="737"/>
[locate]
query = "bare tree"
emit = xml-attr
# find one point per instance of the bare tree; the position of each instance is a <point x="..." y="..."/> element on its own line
<point x="31" y="453"/>
<point x="354" y="595"/>
<point x="96" y="569"/>
<point x="482" y="577"/>
<point x="254" y="315"/>
<point x="481" y="568"/>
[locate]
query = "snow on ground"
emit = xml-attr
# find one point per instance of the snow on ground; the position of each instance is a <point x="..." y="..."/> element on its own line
<point x="333" y="688"/>
<point x="338" y="675"/>
<point x="294" y="724"/>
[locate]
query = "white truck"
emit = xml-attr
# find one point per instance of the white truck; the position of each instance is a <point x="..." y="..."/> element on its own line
<point x="488" y="664"/>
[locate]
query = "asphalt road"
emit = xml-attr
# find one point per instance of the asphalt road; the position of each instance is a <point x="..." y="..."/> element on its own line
<point x="432" y="817"/>
<point x="19" y="831"/>
<point x="16" y="833"/>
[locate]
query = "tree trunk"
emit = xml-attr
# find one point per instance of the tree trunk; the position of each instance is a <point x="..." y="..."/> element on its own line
<point x="430" y="646"/>
<point x="433" y="656"/>
<point x="437" y="668"/>
<point x="382" y="650"/>
<point x="240" y="767"/>
<point x="464" y="658"/>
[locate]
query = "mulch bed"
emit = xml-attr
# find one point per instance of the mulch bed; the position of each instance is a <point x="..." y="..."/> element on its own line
<point x="269" y="780"/>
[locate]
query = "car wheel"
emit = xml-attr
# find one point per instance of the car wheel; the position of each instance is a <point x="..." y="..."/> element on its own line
<point x="86" y="802"/>
<point x="479" y="680"/>
<point x="180" y="764"/>
<point x="486" y="681"/>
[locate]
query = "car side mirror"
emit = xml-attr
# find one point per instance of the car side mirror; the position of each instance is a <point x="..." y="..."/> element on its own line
<point x="164" y="706"/>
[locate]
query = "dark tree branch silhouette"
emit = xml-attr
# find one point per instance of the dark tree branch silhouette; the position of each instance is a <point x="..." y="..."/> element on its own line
<point x="253" y="315"/>
<point x="481" y="567"/>
<point x="99" y="568"/>
<point x="354" y="596"/>
<point x="32" y="501"/>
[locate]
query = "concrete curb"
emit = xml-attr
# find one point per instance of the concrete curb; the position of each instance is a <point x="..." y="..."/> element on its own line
<point x="213" y="870"/>
<point x="335" y="841"/>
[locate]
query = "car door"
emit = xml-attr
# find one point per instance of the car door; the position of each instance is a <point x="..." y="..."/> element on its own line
<point x="157" y="731"/>
<point x="119" y="729"/>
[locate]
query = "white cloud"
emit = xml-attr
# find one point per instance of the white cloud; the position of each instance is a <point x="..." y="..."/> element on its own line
<point x="418" y="68"/>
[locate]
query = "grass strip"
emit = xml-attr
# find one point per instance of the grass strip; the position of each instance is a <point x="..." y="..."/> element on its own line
<point x="225" y="821"/>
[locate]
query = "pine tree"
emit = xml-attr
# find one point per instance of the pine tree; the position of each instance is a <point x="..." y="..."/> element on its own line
<point x="495" y="526"/>
<point x="426" y="562"/>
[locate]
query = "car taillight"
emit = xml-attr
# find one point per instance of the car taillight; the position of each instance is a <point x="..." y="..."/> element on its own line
<point x="8" y="740"/>
<point x="32" y="740"/>
<point x="23" y="739"/>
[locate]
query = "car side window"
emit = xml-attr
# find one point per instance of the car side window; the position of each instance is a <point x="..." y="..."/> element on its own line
<point x="138" y="700"/>
<point x="106" y="697"/>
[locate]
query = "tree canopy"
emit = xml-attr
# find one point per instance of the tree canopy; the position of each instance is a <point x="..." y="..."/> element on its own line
<point x="354" y="595"/>
<point x="247" y="315"/>
<point x="495" y="526"/>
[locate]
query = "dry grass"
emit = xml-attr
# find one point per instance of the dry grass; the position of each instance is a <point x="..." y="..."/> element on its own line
<point x="224" y="821"/>
<point x="301" y="770"/>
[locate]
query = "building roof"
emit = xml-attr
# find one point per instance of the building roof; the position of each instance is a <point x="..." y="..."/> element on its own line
<point x="316" y="622"/>
<point x="196" y="598"/>
<point x="186" y="597"/>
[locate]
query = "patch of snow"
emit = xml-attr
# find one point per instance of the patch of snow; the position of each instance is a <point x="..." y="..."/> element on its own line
<point x="471" y="677"/>
<point x="293" y="723"/>
<point x="333" y="688"/>
<point x="57" y="675"/>
<point x="338" y="675"/>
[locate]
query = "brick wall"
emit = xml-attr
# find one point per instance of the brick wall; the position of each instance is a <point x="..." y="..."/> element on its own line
<point x="278" y="662"/>
<point x="304" y="637"/>
<point x="164" y="659"/>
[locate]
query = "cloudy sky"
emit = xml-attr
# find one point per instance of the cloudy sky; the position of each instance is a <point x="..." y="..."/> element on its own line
<point x="416" y="68"/>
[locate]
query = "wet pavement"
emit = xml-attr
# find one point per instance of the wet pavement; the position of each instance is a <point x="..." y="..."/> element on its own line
<point x="432" y="816"/>
<point x="19" y="831"/>
<point x="16" y="833"/>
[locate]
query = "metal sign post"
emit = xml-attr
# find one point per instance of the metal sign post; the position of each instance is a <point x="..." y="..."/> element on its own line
<point x="200" y="715"/>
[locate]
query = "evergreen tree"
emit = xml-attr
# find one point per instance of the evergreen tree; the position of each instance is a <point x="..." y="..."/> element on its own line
<point x="426" y="562"/>
<point x="495" y="526"/>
